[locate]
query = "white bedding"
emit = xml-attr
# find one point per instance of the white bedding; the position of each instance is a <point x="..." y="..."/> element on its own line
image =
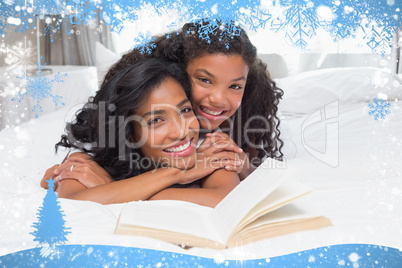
<point x="362" y="195"/>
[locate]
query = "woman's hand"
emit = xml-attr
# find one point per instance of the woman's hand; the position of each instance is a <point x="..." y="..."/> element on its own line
<point x="218" y="142"/>
<point x="49" y="173"/>
<point x="81" y="167"/>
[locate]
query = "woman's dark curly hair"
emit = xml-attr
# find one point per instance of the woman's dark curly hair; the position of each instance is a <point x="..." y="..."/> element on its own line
<point x="258" y="110"/>
<point x="104" y="127"/>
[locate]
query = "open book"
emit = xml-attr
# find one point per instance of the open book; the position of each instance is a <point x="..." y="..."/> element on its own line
<point x="256" y="209"/>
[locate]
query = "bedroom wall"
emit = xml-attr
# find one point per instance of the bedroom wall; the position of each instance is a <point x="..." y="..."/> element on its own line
<point x="312" y="61"/>
<point x="283" y="65"/>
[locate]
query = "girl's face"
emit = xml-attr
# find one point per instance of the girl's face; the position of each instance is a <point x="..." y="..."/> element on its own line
<point x="218" y="83"/>
<point x="167" y="127"/>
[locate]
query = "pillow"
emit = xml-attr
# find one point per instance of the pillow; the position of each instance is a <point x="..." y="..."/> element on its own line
<point x="306" y="92"/>
<point x="105" y="58"/>
<point x="276" y="65"/>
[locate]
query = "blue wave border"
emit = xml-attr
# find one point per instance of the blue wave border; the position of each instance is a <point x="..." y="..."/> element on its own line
<point x="343" y="255"/>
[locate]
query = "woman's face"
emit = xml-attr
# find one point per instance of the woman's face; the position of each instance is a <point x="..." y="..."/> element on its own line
<point x="218" y="83"/>
<point x="167" y="128"/>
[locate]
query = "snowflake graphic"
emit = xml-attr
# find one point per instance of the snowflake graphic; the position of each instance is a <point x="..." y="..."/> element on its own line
<point x="379" y="109"/>
<point x="145" y="43"/>
<point x="311" y="258"/>
<point x="174" y="26"/>
<point x="296" y="19"/>
<point x="258" y="19"/>
<point x="52" y="26"/>
<point x="223" y="29"/>
<point x="14" y="14"/>
<point x="228" y="31"/>
<point x="299" y="22"/>
<point x="39" y="88"/>
<point x="19" y="56"/>
<point x="378" y="40"/>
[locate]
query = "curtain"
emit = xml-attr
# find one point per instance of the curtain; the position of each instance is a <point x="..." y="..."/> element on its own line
<point x="72" y="44"/>
<point x="396" y="54"/>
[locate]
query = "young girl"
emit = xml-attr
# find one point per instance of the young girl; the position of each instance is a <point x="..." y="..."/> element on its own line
<point x="143" y="111"/>
<point x="232" y="93"/>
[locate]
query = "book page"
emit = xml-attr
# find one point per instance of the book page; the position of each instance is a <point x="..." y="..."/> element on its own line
<point x="257" y="186"/>
<point x="285" y="220"/>
<point x="170" y="215"/>
<point x="289" y="191"/>
<point x="290" y="212"/>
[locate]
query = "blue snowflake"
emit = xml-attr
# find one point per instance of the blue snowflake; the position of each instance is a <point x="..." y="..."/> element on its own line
<point x="297" y="19"/>
<point x="379" y="109"/>
<point x="378" y="40"/>
<point x="228" y="31"/>
<point x="145" y="43"/>
<point x="39" y="88"/>
<point x="258" y="19"/>
<point x="223" y="29"/>
<point x="52" y="26"/>
<point x="299" y="22"/>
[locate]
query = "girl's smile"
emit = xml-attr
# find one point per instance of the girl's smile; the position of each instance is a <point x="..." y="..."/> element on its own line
<point x="212" y="113"/>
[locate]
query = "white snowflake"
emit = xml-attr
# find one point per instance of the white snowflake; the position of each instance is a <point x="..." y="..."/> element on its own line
<point x="219" y="258"/>
<point x="19" y="56"/>
<point x="39" y="88"/>
<point x="354" y="257"/>
<point x="379" y="109"/>
<point x="48" y="251"/>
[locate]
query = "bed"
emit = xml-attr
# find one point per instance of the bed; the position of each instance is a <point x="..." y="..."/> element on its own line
<point x="352" y="161"/>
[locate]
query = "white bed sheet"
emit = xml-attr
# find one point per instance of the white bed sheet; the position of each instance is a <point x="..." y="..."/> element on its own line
<point x="362" y="195"/>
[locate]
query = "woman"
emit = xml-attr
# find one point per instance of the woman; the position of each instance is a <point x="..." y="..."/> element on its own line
<point x="142" y="120"/>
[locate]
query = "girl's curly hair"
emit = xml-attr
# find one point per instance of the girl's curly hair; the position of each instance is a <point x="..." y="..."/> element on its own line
<point x="256" y="125"/>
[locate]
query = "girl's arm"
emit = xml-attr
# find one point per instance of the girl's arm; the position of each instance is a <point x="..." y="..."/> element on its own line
<point x="214" y="188"/>
<point x="248" y="166"/>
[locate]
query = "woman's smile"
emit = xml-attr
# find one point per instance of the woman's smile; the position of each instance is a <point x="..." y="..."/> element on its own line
<point x="182" y="148"/>
<point x="169" y="127"/>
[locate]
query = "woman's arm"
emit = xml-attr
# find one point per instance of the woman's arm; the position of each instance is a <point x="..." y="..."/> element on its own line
<point x="86" y="184"/>
<point x="140" y="187"/>
<point x="214" y="188"/>
<point x="85" y="168"/>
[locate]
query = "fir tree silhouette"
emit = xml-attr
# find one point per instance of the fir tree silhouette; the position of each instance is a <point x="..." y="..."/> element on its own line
<point x="50" y="228"/>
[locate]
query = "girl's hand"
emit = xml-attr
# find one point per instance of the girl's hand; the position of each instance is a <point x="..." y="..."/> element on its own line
<point x="205" y="165"/>
<point x="49" y="173"/>
<point x="81" y="167"/>
<point x="217" y="142"/>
